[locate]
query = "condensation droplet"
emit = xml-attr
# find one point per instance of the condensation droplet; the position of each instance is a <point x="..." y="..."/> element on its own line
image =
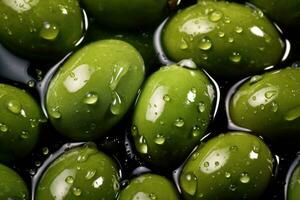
<point x="90" y="98"/>
<point x="14" y="106"/>
<point x="189" y="183"/>
<point x="235" y="57"/>
<point x="179" y="122"/>
<point x="49" y="31"/>
<point x="159" y="139"/>
<point x="205" y="44"/>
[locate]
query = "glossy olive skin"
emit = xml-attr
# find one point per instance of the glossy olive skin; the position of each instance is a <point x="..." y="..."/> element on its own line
<point x="94" y="89"/>
<point x="293" y="190"/>
<point x="12" y="186"/>
<point x="270" y="105"/>
<point x="233" y="166"/>
<point x="211" y="33"/>
<point x="130" y="14"/>
<point x="19" y="123"/>
<point x="172" y="115"/>
<point x="40" y="29"/>
<point x="81" y="173"/>
<point x="275" y="9"/>
<point x="149" y="186"/>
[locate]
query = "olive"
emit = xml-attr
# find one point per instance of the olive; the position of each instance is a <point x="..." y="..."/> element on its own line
<point x="130" y="14"/>
<point x="172" y="114"/>
<point x="94" y="89"/>
<point x="229" y="40"/>
<point x="41" y="29"/>
<point x="12" y="186"/>
<point x="293" y="185"/>
<point x="269" y="105"/>
<point x="81" y="173"/>
<point x="19" y="123"/>
<point x="148" y="187"/>
<point x="231" y="166"/>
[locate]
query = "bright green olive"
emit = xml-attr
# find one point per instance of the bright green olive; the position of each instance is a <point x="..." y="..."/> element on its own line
<point x="227" y="39"/>
<point x="130" y="14"/>
<point x="148" y="187"/>
<point x="172" y="114"/>
<point x="269" y="104"/>
<point x="94" y="89"/>
<point x="82" y="173"/>
<point x="19" y="123"/>
<point x="233" y="166"/>
<point x="12" y="186"/>
<point x="40" y="29"/>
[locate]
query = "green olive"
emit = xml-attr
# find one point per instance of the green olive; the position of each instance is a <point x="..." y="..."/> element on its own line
<point x="227" y="39"/>
<point x="232" y="166"/>
<point x="94" y="89"/>
<point x="172" y="114"/>
<point x="40" y="29"/>
<point x="293" y="185"/>
<point x="269" y="105"/>
<point x="148" y="187"/>
<point x="81" y="173"/>
<point x="19" y="123"/>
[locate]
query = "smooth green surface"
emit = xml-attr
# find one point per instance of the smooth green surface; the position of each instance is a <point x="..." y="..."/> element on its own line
<point x="40" y="29"/>
<point x="149" y="187"/>
<point x="233" y="166"/>
<point x="19" y="123"/>
<point x="172" y="115"/>
<point x="227" y="39"/>
<point x="294" y="185"/>
<point x="130" y="14"/>
<point x="82" y="173"/>
<point x="94" y="89"/>
<point x="270" y="105"/>
<point x="12" y="186"/>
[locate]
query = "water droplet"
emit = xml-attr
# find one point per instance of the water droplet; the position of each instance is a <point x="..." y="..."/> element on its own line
<point x="274" y="106"/>
<point x="142" y="146"/>
<point x="227" y="175"/>
<point x="255" y="79"/>
<point x="196" y="131"/>
<point x="34" y="123"/>
<point x="216" y="16"/>
<point x="14" y="106"/>
<point x="76" y="191"/>
<point x="238" y="29"/>
<point x="235" y="57"/>
<point x="31" y="83"/>
<point x="205" y="44"/>
<point x="69" y="180"/>
<point x="244" y="178"/>
<point x="98" y="182"/>
<point x="45" y="151"/>
<point x="262" y="107"/>
<point x="90" y="98"/>
<point x="134" y="130"/>
<point x="159" y="139"/>
<point x="152" y="196"/>
<point x="230" y="40"/>
<point x="49" y="31"/>
<point x="221" y="34"/>
<point x="55" y="113"/>
<point x="293" y="114"/>
<point x="233" y="148"/>
<point x="189" y="183"/>
<point x="232" y="188"/>
<point x="217" y="163"/>
<point x="24" y="134"/>
<point x="82" y="158"/>
<point x="183" y="44"/>
<point x="206" y="164"/>
<point x="270" y="94"/>
<point x="116" y="105"/>
<point x="119" y="71"/>
<point x="201" y="107"/>
<point x="267" y="38"/>
<point x="179" y="122"/>
<point x="227" y="20"/>
<point x="3" y="128"/>
<point x="167" y="98"/>
<point x="90" y="174"/>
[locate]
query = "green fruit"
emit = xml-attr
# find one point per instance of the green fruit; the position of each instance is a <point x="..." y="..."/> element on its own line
<point x="172" y="114"/>
<point x="233" y="166"/>
<point x="293" y="188"/>
<point x="19" y="123"/>
<point x="275" y="9"/>
<point x="40" y="29"/>
<point x="12" y="186"/>
<point x="81" y="173"/>
<point x="227" y="39"/>
<point x="130" y="14"/>
<point x="94" y="89"/>
<point x="148" y="187"/>
<point x="270" y="105"/>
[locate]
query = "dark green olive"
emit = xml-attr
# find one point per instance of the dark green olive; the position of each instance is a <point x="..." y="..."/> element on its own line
<point x="94" y="89"/>
<point x="293" y="185"/>
<point x="227" y="39"/>
<point x="232" y="166"/>
<point x="40" y="29"/>
<point x="19" y="123"/>
<point x="269" y="104"/>
<point x="12" y="186"/>
<point x="82" y="173"/>
<point x="149" y="187"/>
<point x="172" y="114"/>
